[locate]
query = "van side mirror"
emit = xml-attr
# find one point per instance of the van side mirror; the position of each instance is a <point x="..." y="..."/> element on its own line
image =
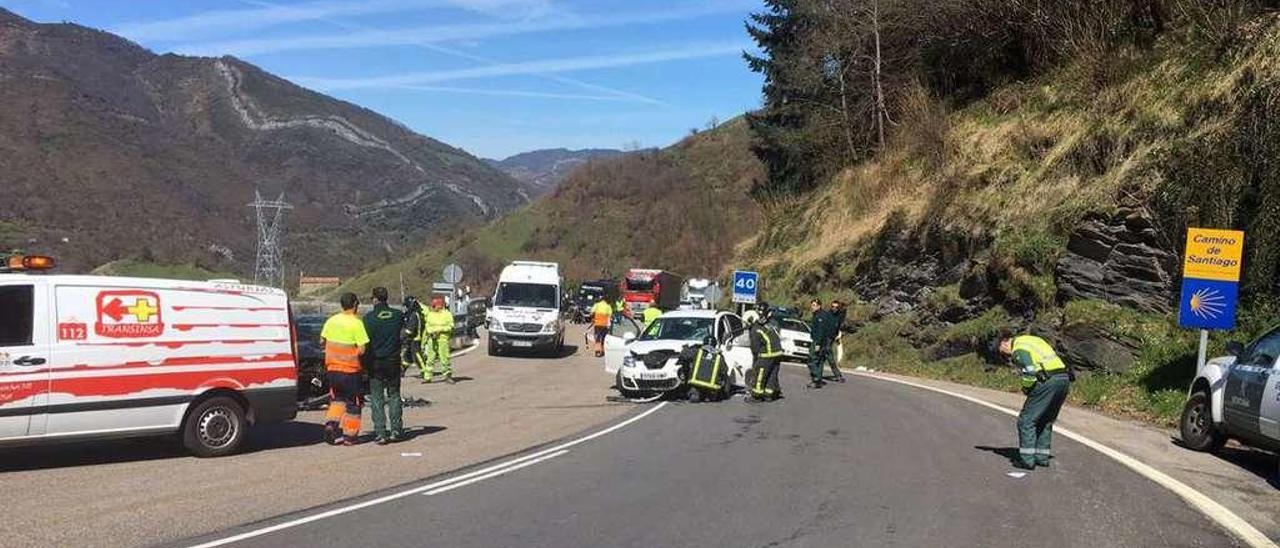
<point x="1235" y="349"/>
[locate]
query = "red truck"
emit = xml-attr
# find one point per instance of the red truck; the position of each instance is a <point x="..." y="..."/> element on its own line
<point x="642" y="288"/>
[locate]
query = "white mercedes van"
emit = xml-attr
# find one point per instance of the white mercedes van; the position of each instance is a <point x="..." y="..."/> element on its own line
<point x="527" y="312"/>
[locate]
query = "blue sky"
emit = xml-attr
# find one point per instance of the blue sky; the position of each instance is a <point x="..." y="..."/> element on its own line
<point x="495" y="77"/>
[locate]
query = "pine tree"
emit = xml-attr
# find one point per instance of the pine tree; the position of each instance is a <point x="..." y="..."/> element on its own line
<point x="780" y="124"/>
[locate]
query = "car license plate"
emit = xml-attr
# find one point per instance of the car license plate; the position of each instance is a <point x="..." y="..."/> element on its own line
<point x="653" y="376"/>
<point x="522" y="344"/>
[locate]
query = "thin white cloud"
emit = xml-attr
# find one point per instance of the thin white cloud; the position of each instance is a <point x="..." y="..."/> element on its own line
<point x="544" y="66"/>
<point x="516" y="93"/>
<point x="560" y="21"/>
<point x="263" y="16"/>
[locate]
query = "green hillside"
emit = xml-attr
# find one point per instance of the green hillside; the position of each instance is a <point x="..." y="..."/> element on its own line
<point x="1053" y="197"/>
<point x="682" y="208"/>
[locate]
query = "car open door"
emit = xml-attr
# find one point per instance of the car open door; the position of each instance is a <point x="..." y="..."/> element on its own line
<point x="24" y="355"/>
<point x="618" y="341"/>
<point x="736" y="345"/>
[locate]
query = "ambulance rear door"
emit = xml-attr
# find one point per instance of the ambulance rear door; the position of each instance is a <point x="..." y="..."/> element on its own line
<point x="24" y="355"/>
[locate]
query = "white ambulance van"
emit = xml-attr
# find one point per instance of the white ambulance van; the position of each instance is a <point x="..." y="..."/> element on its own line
<point x="528" y="311"/>
<point x="88" y="357"/>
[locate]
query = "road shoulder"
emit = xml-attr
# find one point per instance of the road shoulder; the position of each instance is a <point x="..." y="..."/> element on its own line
<point x="1245" y="490"/>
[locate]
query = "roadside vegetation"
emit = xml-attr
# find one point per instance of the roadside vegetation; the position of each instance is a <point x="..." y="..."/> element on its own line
<point x="144" y="269"/>
<point x="941" y="164"/>
<point x="682" y="208"/>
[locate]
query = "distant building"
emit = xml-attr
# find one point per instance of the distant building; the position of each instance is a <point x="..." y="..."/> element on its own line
<point x="310" y="285"/>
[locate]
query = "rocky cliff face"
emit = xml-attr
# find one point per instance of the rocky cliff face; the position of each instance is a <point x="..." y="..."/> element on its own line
<point x="109" y="151"/>
<point x="1123" y="259"/>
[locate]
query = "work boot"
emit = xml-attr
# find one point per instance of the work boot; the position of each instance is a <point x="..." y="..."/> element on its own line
<point x="814" y="385"/>
<point x="397" y="437"/>
<point x="1023" y="465"/>
<point x="332" y="435"/>
<point x="449" y="379"/>
<point x="348" y="441"/>
<point x="840" y="378"/>
<point x="381" y="440"/>
<point x="1044" y="463"/>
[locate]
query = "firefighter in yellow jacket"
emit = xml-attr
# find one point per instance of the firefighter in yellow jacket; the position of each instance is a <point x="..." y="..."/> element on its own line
<point x="439" y="331"/>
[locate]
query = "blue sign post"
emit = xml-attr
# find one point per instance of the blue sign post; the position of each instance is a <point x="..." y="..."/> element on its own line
<point x="1210" y="282"/>
<point x="746" y="287"/>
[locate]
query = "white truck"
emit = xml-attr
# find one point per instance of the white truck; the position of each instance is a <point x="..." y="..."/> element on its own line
<point x="89" y="357"/>
<point x="696" y="293"/>
<point x="1236" y="396"/>
<point x="527" y="311"/>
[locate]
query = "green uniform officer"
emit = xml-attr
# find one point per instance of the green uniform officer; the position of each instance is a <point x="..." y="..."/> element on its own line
<point x="1046" y="379"/>
<point x="439" y="328"/>
<point x="821" y="335"/>
<point x="383" y="325"/>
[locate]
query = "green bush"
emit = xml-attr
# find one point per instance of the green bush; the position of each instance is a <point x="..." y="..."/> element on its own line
<point x="981" y="329"/>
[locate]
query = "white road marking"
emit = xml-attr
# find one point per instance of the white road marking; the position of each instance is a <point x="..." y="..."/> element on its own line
<point x="466" y="350"/>
<point x="1016" y="475"/>
<point x="425" y="488"/>
<point x="1218" y="513"/>
<point x="494" y="474"/>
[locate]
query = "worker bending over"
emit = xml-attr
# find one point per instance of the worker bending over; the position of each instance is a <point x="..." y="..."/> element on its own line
<point x="1046" y="379"/>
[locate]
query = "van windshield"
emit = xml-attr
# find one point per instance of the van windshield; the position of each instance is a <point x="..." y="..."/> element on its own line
<point x="526" y="295"/>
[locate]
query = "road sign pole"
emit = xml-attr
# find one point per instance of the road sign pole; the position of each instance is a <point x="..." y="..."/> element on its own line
<point x="1204" y="350"/>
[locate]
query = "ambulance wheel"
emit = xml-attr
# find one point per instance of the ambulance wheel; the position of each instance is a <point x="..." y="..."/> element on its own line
<point x="215" y="428"/>
<point x="493" y="348"/>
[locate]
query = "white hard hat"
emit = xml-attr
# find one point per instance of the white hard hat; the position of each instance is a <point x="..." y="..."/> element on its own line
<point x="751" y="316"/>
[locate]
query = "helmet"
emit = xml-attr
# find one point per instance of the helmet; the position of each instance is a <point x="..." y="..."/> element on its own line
<point x="765" y="311"/>
<point x="751" y="317"/>
<point x="410" y="302"/>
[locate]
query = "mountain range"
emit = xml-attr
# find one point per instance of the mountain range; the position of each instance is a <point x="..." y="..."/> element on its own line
<point x="545" y="169"/>
<point x="110" y="151"/>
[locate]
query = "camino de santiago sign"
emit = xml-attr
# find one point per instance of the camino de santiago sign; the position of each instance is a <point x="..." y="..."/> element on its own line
<point x="1211" y="278"/>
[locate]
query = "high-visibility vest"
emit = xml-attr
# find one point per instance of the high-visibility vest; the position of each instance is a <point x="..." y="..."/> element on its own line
<point x="343" y="334"/>
<point x="1043" y="358"/>
<point x="439" y="321"/>
<point x="601" y="314"/>
<point x="650" y="314"/>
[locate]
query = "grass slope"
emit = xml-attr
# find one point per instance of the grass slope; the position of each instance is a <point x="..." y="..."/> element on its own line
<point x="1008" y="177"/>
<point x="682" y="208"/>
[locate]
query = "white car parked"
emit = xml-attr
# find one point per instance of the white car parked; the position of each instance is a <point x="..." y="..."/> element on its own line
<point x="644" y="362"/>
<point x="796" y="340"/>
<point x="1236" y="396"/>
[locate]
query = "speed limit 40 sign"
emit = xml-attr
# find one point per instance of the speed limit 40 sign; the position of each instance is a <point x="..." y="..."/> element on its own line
<point x="746" y="286"/>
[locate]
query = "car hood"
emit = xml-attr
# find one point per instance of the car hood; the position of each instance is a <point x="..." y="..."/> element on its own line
<point x="644" y="347"/>
<point x="794" y="335"/>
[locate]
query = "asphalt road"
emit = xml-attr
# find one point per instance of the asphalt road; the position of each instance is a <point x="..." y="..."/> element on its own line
<point x="147" y="491"/>
<point x="869" y="463"/>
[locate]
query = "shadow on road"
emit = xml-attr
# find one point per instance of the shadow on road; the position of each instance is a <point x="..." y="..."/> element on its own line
<point x="1255" y="461"/>
<point x="86" y="453"/>
<point x="1006" y="453"/>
